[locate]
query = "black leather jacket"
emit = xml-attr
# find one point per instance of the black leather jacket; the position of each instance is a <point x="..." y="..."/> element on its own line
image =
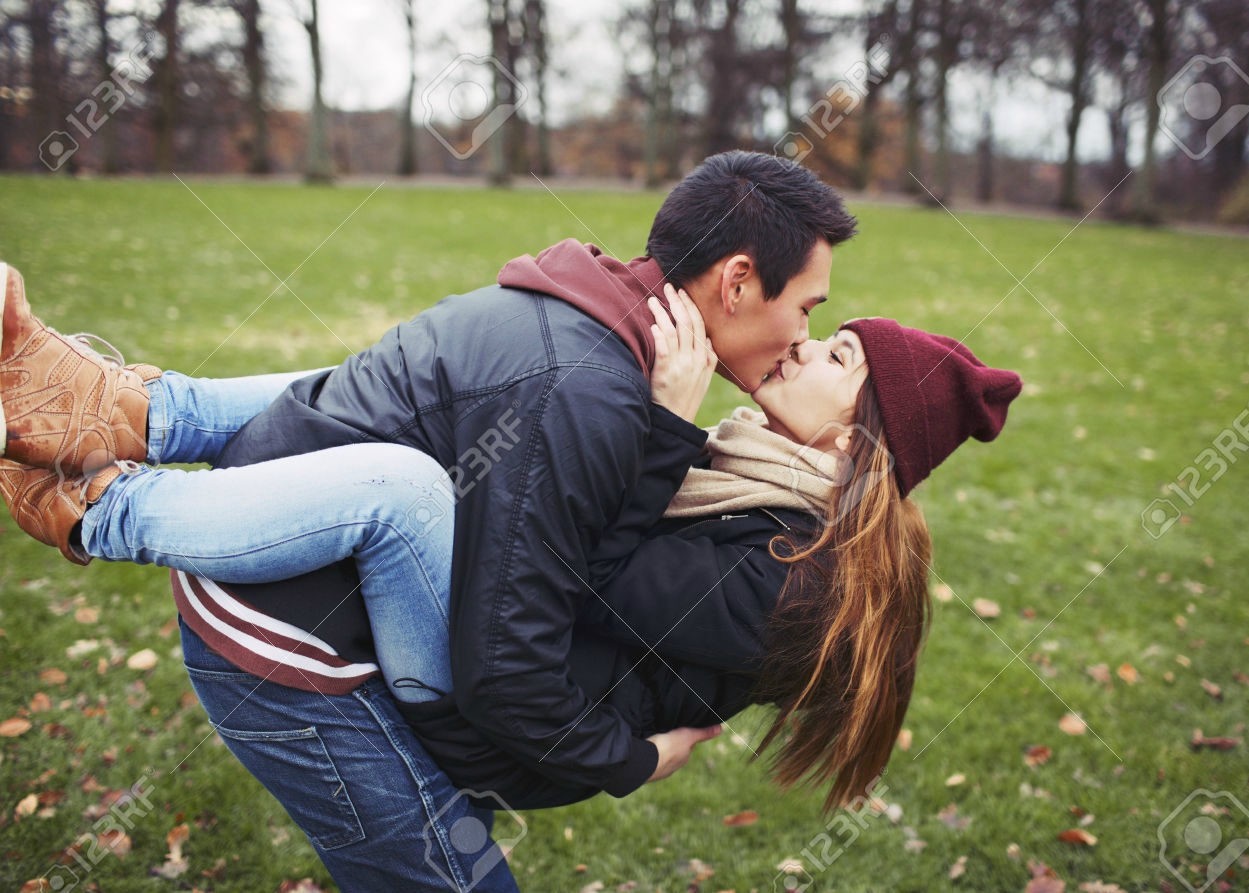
<point x="541" y="415"/>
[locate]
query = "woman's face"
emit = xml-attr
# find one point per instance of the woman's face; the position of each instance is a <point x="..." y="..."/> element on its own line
<point x="810" y="397"/>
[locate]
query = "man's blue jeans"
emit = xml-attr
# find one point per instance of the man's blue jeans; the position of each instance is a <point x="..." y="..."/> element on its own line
<point x="380" y="813"/>
<point x="387" y="506"/>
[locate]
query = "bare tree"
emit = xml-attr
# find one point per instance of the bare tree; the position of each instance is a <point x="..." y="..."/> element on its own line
<point x="505" y="48"/>
<point x="319" y="167"/>
<point x="166" y="111"/>
<point x="408" y="164"/>
<point x="257" y="77"/>
<point x="535" y="41"/>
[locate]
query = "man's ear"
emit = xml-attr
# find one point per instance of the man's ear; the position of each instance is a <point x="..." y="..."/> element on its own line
<point x="734" y="277"/>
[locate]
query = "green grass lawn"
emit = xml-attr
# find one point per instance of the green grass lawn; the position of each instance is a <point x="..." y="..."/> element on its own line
<point x="1135" y="348"/>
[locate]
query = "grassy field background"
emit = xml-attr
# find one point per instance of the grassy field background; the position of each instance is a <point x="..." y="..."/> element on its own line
<point x="1135" y="347"/>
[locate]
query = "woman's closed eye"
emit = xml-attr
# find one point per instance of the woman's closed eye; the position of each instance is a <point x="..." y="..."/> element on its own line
<point x="833" y="358"/>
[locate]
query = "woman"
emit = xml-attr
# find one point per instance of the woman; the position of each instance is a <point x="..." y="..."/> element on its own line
<point x="806" y="505"/>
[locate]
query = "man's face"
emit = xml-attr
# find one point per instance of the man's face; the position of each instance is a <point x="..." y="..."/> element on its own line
<point x="758" y="335"/>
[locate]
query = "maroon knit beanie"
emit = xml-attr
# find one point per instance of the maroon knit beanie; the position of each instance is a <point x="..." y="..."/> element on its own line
<point x="933" y="394"/>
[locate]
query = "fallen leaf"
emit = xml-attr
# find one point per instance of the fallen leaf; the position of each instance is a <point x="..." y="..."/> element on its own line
<point x="942" y="593"/>
<point x="303" y="886"/>
<point x="87" y="615"/>
<point x="581" y="869"/>
<point x="749" y="817"/>
<point x="950" y="818"/>
<point x="53" y="676"/>
<point x="986" y="608"/>
<point x="142" y="660"/>
<point x="701" y="870"/>
<point x="1128" y="674"/>
<point x="790" y="866"/>
<point x="11" y="728"/>
<point x="1012" y="852"/>
<point x="38" y="885"/>
<point x="1078" y="836"/>
<point x="904" y="739"/>
<point x="1212" y="690"/>
<point x="956" y="779"/>
<point x="1037" y="755"/>
<point x="116" y="842"/>
<point x="592" y="887"/>
<point x="40" y="702"/>
<point x="1199" y="741"/>
<point x="175" y="865"/>
<point x="957" y="869"/>
<point x="1099" y="887"/>
<point x="1183" y="661"/>
<point x="26" y="806"/>
<point x="1100" y="673"/>
<point x="1072" y="724"/>
<point x="567" y="833"/>
<point x="1045" y="884"/>
<point x="915" y="845"/>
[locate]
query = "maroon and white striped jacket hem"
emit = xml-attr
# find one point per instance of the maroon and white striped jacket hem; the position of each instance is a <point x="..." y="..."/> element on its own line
<point x="264" y="646"/>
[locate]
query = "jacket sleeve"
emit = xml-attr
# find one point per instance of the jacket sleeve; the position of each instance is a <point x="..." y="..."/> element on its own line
<point x="691" y="599"/>
<point x="526" y="521"/>
<point x="671" y="447"/>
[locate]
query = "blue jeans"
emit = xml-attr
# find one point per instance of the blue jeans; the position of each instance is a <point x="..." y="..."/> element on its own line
<point x="378" y="810"/>
<point x="387" y="506"/>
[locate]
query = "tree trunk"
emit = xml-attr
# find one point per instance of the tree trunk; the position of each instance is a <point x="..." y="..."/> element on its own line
<point x="535" y="29"/>
<point x="946" y="50"/>
<point x="724" y="101"/>
<point x="254" y="62"/>
<point x="1118" y="124"/>
<point x="791" y="27"/>
<point x="1069" y="193"/>
<point x="47" y="105"/>
<point x="408" y="164"/>
<point x="500" y="150"/>
<point x="320" y="167"/>
<point x="914" y="103"/>
<point x="166" y="114"/>
<point x="659" y="20"/>
<point x="110" y="163"/>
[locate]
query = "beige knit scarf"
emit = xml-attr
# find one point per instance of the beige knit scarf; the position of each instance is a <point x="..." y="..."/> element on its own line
<point x="754" y="467"/>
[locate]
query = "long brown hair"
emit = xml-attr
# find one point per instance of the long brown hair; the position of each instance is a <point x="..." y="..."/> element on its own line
<point x="843" y="641"/>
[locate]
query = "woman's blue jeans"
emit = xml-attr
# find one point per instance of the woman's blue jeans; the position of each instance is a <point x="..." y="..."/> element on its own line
<point x="387" y="506"/>
<point x="380" y="813"/>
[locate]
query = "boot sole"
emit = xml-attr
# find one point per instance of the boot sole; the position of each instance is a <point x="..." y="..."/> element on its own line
<point x="4" y="297"/>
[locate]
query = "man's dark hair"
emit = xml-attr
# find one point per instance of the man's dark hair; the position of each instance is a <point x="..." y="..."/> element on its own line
<point x="746" y="203"/>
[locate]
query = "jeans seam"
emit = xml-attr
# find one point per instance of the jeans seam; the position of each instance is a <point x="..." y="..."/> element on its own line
<point x="440" y="832"/>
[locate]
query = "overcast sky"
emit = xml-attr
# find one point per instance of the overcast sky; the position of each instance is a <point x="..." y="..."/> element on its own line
<point x="365" y="50"/>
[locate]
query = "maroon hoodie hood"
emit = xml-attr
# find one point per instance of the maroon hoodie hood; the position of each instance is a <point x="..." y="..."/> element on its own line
<point x="609" y="290"/>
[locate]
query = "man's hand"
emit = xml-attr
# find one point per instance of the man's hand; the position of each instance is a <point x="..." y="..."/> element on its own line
<point x="676" y="746"/>
<point x="684" y="358"/>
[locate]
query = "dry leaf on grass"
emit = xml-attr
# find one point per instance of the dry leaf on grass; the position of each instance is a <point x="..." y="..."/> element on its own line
<point x="955" y="780"/>
<point x="986" y="608"/>
<point x="749" y="817"/>
<point x="1201" y="741"/>
<point x="1037" y="755"/>
<point x="1078" y="836"/>
<point x="1212" y="690"/>
<point x="11" y="728"/>
<point x="1128" y="673"/>
<point x="904" y="739"/>
<point x="957" y="869"/>
<point x="53" y="676"/>
<point x="142" y="660"/>
<point x="1100" y="673"/>
<point x="1072" y="724"/>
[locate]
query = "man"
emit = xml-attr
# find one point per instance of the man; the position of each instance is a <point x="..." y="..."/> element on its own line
<point x="533" y="394"/>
